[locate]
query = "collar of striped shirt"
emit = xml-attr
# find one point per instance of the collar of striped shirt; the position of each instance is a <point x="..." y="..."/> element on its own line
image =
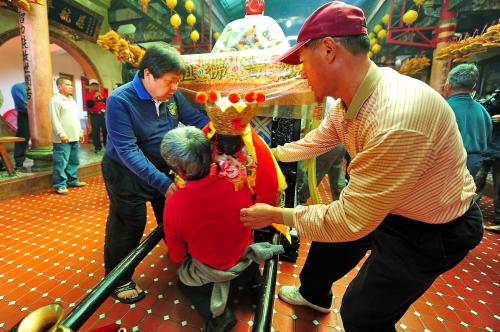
<point x="364" y="91"/>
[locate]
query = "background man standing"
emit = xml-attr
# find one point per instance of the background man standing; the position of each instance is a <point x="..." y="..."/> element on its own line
<point x="474" y="122"/>
<point x="66" y="137"/>
<point x="95" y="101"/>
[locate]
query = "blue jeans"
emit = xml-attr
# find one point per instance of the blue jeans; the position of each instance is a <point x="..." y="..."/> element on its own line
<point x="66" y="161"/>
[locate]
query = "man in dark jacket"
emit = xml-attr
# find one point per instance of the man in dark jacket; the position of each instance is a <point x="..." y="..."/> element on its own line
<point x="138" y="115"/>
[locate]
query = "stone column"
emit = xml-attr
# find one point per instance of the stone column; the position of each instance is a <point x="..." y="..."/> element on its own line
<point x="440" y="68"/>
<point x="34" y="27"/>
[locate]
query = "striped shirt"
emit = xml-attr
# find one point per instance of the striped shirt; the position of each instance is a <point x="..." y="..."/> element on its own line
<point x="408" y="159"/>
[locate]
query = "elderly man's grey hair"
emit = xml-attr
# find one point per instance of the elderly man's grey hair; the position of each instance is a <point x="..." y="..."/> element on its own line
<point x="463" y="77"/>
<point x="187" y="149"/>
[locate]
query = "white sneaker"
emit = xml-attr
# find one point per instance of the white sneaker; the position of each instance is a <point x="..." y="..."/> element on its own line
<point x="291" y="294"/>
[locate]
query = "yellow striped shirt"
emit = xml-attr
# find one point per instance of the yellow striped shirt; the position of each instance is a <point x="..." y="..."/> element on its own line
<point x="407" y="155"/>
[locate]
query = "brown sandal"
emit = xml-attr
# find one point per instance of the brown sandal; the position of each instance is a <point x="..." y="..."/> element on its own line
<point x="128" y="287"/>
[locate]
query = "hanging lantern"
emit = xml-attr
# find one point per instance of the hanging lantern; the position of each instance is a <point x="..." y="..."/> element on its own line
<point x="376" y="48"/>
<point x="216" y="35"/>
<point x="410" y="16"/>
<point x="373" y="41"/>
<point x="385" y="19"/>
<point x="377" y="28"/>
<point x="371" y="35"/>
<point x="194" y="36"/>
<point x="191" y="20"/>
<point x="171" y="4"/>
<point x="418" y="2"/>
<point x="370" y="54"/>
<point x="145" y="4"/>
<point x="189" y="5"/>
<point x="175" y="20"/>
<point x="382" y="34"/>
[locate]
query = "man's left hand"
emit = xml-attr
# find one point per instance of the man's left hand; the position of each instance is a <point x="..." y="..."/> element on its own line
<point x="261" y="215"/>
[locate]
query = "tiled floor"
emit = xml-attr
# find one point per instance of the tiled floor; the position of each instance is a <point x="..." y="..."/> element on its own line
<point x="51" y="251"/>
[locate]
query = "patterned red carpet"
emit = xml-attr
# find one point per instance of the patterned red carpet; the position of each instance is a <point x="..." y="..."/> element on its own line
<point x="51" y="251"/>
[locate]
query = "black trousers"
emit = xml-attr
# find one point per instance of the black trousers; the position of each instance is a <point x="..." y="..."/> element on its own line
<point x="98" y="123"/>
<point x="127" y="212"/>
<point x="200" y="295"/>
<point x="492" y="165"/>
<point x="23" y="130"/>
<point x="406" y="257"/>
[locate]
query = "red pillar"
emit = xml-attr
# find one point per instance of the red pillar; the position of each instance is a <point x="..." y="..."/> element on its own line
<point x="440" y="68"/>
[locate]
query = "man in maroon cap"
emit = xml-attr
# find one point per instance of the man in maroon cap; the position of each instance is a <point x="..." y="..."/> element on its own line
<point x="409" y="197"/>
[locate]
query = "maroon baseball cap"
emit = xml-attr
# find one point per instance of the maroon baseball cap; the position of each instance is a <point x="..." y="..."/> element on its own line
<point x="334" y="19"/>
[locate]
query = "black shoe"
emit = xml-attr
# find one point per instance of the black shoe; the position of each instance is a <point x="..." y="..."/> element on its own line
<point x="222" y="323"/>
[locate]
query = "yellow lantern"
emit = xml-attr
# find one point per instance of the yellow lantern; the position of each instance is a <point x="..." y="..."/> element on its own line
<point x="171" y="4"/>
<point x="410" y="16"/>
<point x="175" y="20"/>
<point x="377" y="28"/>
<point x="382" y="34"/>
<point x="145" y="4"/>
<point x="418" y="2"/>
<point x="216" y="35"/>
<point x="385" y="19"/>
<point x="373" y="41"/>
<point x="194" y="36"/>
<point x="371" y="35"/>
<point x="189" y="5"/>
<point x="370" y="54"/>
<point x="376" y="48"/>
<point x="191" y="20"/>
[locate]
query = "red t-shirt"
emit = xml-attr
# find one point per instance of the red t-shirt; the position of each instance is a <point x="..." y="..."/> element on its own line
<point x="203" y="219"/>
<point x="99" y="104"/>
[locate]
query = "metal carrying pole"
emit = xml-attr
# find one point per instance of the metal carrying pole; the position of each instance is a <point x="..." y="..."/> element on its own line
<point x="77" y="317"/>
<point x="82" y="312"/>
<point x="264" y="311"/>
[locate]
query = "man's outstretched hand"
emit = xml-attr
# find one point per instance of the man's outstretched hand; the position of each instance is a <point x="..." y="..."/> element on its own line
<point x="261" y="215"/>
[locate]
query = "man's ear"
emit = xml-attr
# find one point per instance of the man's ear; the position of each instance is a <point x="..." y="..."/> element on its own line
<point x="147" y="74"/>
<point x="446" y="89"/>
<point x="330" y="48"/>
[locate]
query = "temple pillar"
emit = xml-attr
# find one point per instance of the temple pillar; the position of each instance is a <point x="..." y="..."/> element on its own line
<point x="34" y="28"/>
<point x="446" y="29"/>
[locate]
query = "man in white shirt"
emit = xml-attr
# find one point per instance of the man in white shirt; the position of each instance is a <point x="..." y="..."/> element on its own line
<point x="66" y="137"/>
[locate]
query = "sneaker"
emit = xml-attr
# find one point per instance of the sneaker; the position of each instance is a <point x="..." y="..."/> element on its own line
<point x="77" y="184"/>
<point x="493" y="228"/>
<point x="62" y="191"/>
<point x="291" y="294"/>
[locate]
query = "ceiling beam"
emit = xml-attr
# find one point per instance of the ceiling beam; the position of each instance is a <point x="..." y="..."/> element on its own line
<point x="153" y="15"/>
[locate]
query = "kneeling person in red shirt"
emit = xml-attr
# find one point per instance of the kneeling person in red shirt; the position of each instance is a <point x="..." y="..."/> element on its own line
<point x="203" y="229"/>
